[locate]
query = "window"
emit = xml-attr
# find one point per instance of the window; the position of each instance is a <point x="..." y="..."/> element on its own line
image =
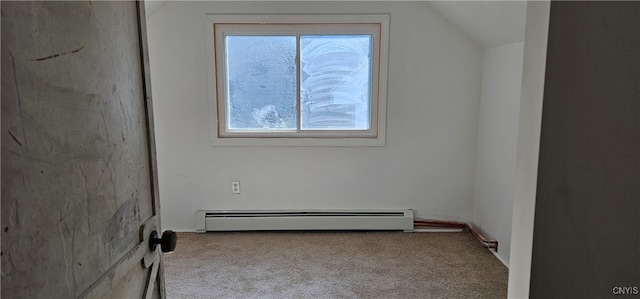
<point x="298" y="79"/>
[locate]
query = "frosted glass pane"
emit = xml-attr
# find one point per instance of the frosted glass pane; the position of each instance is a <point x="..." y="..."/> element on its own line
<point x="261" y="80"/>
<point x="335" y="82"/>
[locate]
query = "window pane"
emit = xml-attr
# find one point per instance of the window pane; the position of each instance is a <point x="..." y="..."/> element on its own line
<point x="335" y="82"/>
<point x="261" y="80"/>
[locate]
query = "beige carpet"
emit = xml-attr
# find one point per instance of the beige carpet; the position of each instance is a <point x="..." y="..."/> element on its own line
<point x="333" y="265"/>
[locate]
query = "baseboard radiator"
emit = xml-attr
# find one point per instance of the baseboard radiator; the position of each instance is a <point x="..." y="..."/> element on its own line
<point x="210" y="220"/>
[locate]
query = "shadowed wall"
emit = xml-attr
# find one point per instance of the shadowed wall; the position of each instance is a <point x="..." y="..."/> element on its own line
<point x="587" y="228"/>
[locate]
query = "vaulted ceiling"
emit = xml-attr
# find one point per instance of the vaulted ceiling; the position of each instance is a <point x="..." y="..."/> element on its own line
<point x="151" y="6"/>
<point x="488" y="23"/>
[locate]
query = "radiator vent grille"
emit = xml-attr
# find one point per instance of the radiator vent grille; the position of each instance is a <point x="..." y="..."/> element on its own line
<point x="211" y="220"/>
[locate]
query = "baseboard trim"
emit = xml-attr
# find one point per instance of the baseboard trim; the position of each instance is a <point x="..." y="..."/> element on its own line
<point x="184" y="230"/>
<point x="500" y="258"/>
<point x="438" y="230"/>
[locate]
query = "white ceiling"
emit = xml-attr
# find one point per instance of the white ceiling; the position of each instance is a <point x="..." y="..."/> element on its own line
<point x="488" y="23"/>
<point x="151" y="6"/>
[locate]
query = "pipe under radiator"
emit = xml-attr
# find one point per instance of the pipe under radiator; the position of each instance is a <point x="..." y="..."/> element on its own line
<point x="491" y="244"/>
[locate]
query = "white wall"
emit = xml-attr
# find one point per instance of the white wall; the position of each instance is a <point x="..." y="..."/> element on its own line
<point x="530" y="119"/>
<point x="497" y="140"/>
<point x="428" y="163"/>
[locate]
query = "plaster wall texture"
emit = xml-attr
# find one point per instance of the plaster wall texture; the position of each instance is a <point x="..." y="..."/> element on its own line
<point x="497" y="140"/>
<point x="428" y="163"/>
<point x="527" y="150"/>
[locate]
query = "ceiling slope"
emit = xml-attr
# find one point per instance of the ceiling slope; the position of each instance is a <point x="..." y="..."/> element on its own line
<point x="488" y="23"/>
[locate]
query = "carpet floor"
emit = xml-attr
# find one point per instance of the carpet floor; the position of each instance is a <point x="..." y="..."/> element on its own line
<point x="332" y="265"/>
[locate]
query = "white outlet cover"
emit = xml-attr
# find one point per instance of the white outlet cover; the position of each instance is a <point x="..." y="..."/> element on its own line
<point x="235" y="187"/>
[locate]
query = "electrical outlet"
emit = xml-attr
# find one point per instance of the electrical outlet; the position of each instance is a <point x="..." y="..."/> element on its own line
<point x="235" y="187"/>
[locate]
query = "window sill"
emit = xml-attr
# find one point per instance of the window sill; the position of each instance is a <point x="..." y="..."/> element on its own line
<point x="293" y="142"/>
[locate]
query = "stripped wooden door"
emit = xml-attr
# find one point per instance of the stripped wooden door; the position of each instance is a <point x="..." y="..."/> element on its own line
<point x="79" y="182"/>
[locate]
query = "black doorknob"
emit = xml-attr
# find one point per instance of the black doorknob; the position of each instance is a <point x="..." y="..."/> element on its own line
<point x="167" y="242"/>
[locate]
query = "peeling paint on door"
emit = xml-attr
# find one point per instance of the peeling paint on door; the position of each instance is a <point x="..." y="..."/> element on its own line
<point x="77" y="162"/>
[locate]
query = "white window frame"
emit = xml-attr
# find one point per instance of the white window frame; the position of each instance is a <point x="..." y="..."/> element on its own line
<point x="218" y="25"/>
